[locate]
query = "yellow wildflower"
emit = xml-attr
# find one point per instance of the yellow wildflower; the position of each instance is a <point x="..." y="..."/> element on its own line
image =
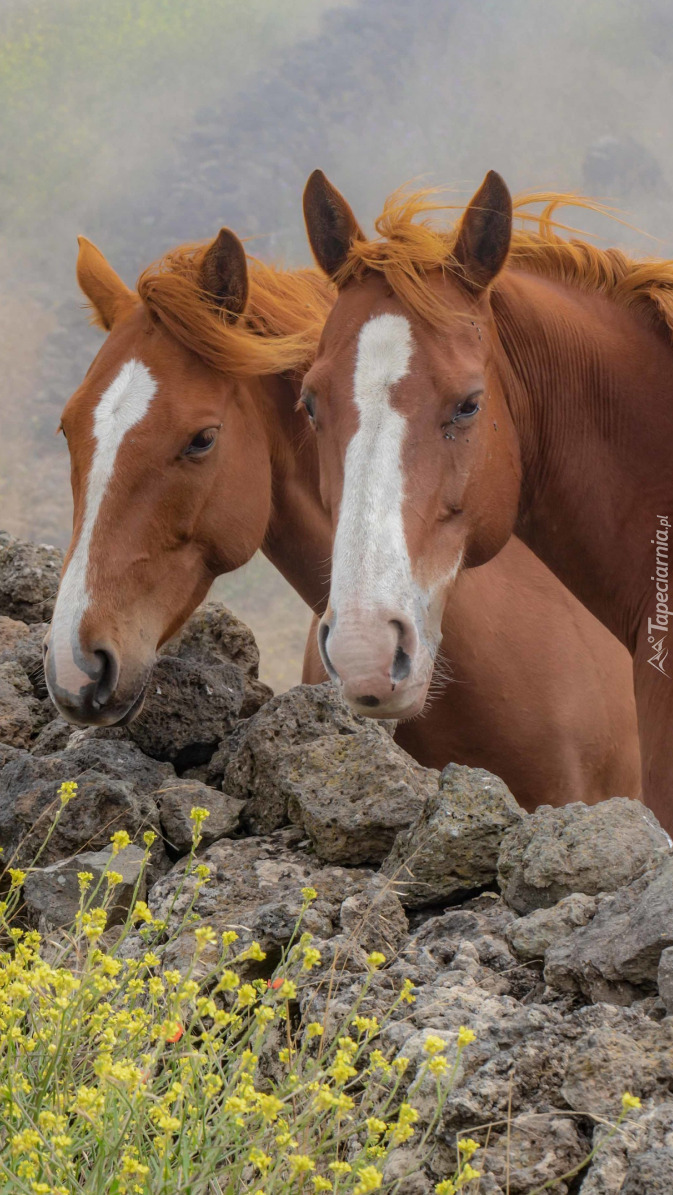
<point x="260" y="1160"/>
<point x="301" y="1164"/>
<point x="67" y="791"/>
<point x="376" y="1126"/>
<point x="120" y="840"/>
<point x="141" y="912"/>
<point x="369" y="1179"/>
<point x="312" y="958"/>
<point x="255" y="952"/>
<point x="434" y="1045"/>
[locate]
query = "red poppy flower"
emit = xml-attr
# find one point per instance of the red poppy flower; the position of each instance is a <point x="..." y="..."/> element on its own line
<point x="176" y="1036"/>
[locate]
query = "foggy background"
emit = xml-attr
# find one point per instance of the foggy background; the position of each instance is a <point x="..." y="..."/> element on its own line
<point x="144" y="123"/>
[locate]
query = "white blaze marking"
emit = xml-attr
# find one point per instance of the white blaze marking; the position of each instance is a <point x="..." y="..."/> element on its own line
<point x="370" y="563"/>
<point x="123" y="404"/>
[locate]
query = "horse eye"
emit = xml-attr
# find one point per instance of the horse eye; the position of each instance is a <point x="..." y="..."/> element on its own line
<point x="202" y="442"/>
<point x="308" y="401"/>
<point x="467" y="408"/>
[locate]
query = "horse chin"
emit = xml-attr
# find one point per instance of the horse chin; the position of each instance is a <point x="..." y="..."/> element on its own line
<point x="399" y="708"/>
<point x="134" y="710"/>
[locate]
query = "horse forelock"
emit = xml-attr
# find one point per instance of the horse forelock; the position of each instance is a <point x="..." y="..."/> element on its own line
<point x="411" y="244"/>
<point x="278" y="332"/>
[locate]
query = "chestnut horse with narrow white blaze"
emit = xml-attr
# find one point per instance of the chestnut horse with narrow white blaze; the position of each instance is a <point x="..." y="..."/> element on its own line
<point x="190" y="451"/>
<point x="496" y="380"/>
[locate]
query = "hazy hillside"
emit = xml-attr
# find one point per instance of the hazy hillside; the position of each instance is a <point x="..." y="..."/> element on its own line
<point x="149" y="122"/>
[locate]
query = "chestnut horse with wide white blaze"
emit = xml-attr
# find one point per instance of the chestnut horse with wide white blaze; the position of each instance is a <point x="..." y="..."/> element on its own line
<point x="479" y="381"/>
<point x="190" y="451"/>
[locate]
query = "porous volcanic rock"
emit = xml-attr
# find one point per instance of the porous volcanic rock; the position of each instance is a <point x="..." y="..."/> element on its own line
<point x="115" y="785"/>
<point x="27" y="651"/>
<point x="214" y="629"/>
<point x="51" y="894"/>
<point x="453" y="846"/>
<point x="21" y="714"/>
<point x="12" y="632"/>
<point x="531" y="936"/>
<point x="578" y="848"/>
<point x="191" y="705"/>
<point x="665" y="979"/>
<point x="639" y="1159"/>
<point x="374" y="918"/>
<point x="53" y="737"/>
<point x="251" y="764"/>
<point x="354" y="793"/>
<point x="616" y="956"/>
<point x="255" y="890"/>
<point x="177" y="798"/>
<point x="29" y="577"/>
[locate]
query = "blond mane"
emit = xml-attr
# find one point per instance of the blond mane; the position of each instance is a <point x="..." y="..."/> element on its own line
<point x="410" y="245"/>
<point x="278" y="333"/>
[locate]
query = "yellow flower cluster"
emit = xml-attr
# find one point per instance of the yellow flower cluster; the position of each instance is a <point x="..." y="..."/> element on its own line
<point x="115" y="1067"/>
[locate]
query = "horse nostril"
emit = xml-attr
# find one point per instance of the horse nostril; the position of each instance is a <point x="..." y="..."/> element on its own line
<point x="401" y="666"/>
<point x="106" y="682"/>
<point x="323" y="636"/>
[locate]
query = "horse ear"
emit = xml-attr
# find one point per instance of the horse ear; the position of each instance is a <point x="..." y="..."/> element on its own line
<point x="224" y="273"/>
<point x="330" y="223"/>
<point x="485" y="232"/>
<point x="108" y="295"/>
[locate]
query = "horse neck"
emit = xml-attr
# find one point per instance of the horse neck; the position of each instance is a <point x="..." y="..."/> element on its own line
<point x="298" y="539"/>
<point x="588" y="384"/>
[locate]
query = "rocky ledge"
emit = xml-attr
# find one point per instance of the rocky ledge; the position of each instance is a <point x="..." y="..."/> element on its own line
<point x="550" y="935"/>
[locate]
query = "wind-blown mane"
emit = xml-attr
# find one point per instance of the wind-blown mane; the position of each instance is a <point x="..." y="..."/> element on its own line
<point x="278" y="332"/>
<point x="410" y="245"/>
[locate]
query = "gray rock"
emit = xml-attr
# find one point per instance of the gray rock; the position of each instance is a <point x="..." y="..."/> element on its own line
<point x="115" y="783"/>
<point x="616" y="956"/>
<point x="578" y="848"/>
<point x="26" y="649"/>
<point x="453" y="846"/>
<point x="404" y="1166"/>
<point x="375" y="919"/>
<point x="251" y="765"/>
<point x="53" y="737"/>
<point x="29" y="577"/>
<point x="12" y="632"/>
<point x="177" y="798"/>
<point x="254" y="889"/>
<point x="607" y="1061"/>
<point x="531" y="936"/>
<point x="21" y="714"/>
<point x="214" y="629"/>
<point x="191" y="705"/>
<point x="536" y="1150"/>
<point x="665" y="979"/>
<point x="645" y="1139"/>
<point x="51" y="894"/>
<point x="354" y="793"/>
<point x="650" y="1173"/>
<point x="7" y="752"/>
